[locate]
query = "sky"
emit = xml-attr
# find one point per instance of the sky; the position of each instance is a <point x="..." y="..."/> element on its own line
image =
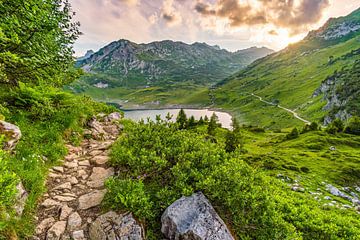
<point x="230" y="24"/>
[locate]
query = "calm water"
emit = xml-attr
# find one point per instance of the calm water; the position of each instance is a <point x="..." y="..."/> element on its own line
<point x="136" y="115"/>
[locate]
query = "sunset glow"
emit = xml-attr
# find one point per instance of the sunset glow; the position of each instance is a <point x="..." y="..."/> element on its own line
<point x="231" y="24"/>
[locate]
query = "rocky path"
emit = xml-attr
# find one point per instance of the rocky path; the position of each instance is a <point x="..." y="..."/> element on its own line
<point x="76" y="189"/>
<point x="286" y="109"/>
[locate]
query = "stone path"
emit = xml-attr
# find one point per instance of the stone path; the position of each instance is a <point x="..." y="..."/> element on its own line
<point x="76" y="189"/>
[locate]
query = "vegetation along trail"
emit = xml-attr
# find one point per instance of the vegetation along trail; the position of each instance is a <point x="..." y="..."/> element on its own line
<point x="284" y="108"/>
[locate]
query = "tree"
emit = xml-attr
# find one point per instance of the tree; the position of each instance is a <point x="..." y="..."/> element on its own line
<point x="336" y="126"/>
<point x="169" y="117"/>
<point x="201" y="121"/>
<point x="181" y="119"/>
<point x="191" y="122"/>
<point x="213" y="124"/>
<point x="233" y="138"/>
<point x="36" y="38"/>
<point x="206" y="119"/>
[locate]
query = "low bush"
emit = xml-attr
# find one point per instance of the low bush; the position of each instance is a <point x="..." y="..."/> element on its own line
<point x="160" y="163"/>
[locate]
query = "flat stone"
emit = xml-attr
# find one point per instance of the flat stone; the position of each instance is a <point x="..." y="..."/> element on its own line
<point x="91" y="199"/>
<point x="63" y="186"/>
<point x="65" y="212"/>
<point x="54" y="175"/>
<point x="73" y="180"/>
<point x="44" y="225"/>
<point x="84" y="163"/>
<point x="64" y="198"/>
<point x="55" y="232"/>
<point x="100" y="160"/>
<point x="78" y="235"/>
<point x="49" y="203"/>
<point x="99" y="176"/>
<point x="95" y="153"/>
<point x="74" y="221"/>
<point x="82" y="174"/>
<point x="58" y="169"/>
<point x="71" y="164"/>
<point x="116" y="226"/>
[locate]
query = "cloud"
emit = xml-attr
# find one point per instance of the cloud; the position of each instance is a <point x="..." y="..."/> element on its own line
<point x="273" y="32"/>
<point x="171" y="16"/>
<point x="295" y="15"/>
<point x="128" y="2"/>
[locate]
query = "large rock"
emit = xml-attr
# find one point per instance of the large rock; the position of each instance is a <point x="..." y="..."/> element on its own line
<point x="193" y="218"/>
<point x="21" y="197"/>
<point x="99" y="176"/>
<point x="115" y="116"/>
<point x="113" y="226"/>
<point x="12" y="135"/>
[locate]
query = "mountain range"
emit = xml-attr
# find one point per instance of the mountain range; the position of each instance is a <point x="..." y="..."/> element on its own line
<point x="124" y="63"/>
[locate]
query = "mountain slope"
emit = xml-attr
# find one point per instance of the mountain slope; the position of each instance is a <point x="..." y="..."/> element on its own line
<point x="317" y="77"/>
<point x="124" y="63"/>
<point x="158" y="74"/>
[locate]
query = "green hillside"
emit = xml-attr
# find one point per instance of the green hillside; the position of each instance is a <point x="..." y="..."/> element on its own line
<point x="296" y="79"/>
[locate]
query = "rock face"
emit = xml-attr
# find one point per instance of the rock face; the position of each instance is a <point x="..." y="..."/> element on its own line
<point x="113" y="226"/>
<point x="12" y="135"/>
<point x="193" y="218"/>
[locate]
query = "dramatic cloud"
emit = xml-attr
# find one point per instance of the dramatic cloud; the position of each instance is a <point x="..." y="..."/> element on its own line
<point x="231" y="24"/>
<point x="291" y="14"/>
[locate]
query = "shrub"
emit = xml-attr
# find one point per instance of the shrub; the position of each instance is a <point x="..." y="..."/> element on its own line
<point x="160" y="164"/>
<point x="293" y="134"/>
<point x="353" y="126"/>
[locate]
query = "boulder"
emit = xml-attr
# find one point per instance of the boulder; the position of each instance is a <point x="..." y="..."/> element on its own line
<point x="21" y="197"/>
<point x="193" y="218"/>
<point x="115" y="116"/>
<point x="12" y="135"/>
<point x="113" y="226"/>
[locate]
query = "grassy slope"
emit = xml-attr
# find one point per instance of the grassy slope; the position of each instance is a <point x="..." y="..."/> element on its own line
<point x="290" y="77"/>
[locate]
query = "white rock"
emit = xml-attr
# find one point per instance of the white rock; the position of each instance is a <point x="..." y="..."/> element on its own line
<point x="78" y="235"/>
<point x="192" y="218"/>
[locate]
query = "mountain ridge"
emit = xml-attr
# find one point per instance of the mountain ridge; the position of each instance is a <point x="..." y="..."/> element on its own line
<point x="312" y="77"/>
<point x="161" y="61"/>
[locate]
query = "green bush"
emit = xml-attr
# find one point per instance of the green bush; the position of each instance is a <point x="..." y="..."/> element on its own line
<point x="353" y="126"/>
<point x="293" y="134"/>
<point x="160" y="163"/>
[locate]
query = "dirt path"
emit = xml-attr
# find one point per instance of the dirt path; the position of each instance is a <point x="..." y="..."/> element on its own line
<point x="76" y="189"/>
<point x="286" y="109"/>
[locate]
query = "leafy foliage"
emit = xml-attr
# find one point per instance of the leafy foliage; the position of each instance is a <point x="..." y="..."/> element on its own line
<point x="36" y="38"/>
<point x="159" y="163"/>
